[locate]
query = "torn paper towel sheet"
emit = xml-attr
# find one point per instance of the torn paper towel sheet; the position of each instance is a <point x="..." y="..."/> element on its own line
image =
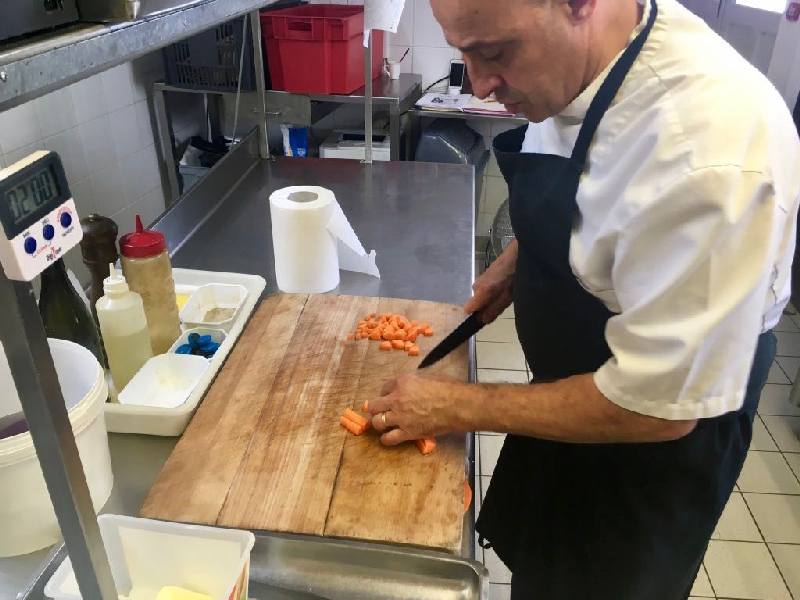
<point x="381" y="14"/>
<point x="312" y="239"/>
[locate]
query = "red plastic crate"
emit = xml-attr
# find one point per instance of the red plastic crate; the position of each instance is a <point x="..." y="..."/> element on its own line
<point x="318" y="48"/>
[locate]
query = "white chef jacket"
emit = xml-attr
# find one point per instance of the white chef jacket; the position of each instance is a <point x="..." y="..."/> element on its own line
<point x="688" y="208"/>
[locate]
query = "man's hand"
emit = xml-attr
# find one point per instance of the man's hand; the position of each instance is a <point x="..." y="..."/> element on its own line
<point x="493" y="290"/>
<point x="416" y="406"/>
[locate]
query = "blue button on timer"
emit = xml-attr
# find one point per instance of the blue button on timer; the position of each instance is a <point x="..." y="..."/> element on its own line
<point x="49" y="232"/>
<point x="66" y="219"/>
<point x="30" y="245"/>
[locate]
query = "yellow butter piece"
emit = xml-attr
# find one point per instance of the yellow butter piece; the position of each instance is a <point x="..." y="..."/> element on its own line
<point x="181" y="300"/>
<point x="172" y="592"/>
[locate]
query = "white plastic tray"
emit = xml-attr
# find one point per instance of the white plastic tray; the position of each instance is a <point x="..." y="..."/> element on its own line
<point x="173" y="421"/>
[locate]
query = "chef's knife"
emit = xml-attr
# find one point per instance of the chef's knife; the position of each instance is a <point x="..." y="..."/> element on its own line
<point x="471" y="325"/>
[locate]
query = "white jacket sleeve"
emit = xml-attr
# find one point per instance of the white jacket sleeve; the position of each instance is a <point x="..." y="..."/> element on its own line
<point x="692" y="269"/>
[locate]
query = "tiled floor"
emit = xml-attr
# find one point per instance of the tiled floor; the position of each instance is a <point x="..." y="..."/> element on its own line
<point x="754" y="553"/>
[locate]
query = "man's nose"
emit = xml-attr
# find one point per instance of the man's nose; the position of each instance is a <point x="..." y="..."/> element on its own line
<point x="483" y="83"/>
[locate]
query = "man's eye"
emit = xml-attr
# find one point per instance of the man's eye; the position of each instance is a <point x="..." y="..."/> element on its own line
<point x="492" y="55"/>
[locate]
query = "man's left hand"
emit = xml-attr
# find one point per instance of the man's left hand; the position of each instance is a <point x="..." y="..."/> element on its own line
<point x="416" y="406"/>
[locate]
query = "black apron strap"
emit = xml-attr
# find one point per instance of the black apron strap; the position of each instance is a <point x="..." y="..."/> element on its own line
<point x="608" y="90"/>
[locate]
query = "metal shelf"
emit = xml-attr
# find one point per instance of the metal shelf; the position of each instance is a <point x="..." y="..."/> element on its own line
<point x="38" y="65"/>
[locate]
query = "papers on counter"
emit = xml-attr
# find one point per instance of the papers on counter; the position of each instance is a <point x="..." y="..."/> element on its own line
<point x="463" y="103"/>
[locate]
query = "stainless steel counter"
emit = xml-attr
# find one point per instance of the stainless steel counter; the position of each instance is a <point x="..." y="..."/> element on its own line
<point x="418" y="216"/>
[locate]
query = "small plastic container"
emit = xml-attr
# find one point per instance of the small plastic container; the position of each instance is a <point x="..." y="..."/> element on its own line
<point x="214" y="305"/>
<point x="218" y="335"/>
<point x="147" y="555"/>
<point x="165" y="381"/>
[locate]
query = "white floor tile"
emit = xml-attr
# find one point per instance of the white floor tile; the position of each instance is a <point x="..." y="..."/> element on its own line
<point x="744" y="570"/>
<point x="794" y="462"/>
<point x="736" y="523"/>
<point x="490" y="452"/>
<point x="499" y="591"/>
<point x="508" y="313"/>
<point x="776" y="374"/>
<point x="498" y="572"/>
<point x="777" y="515"/>
<point x="786" y="323"/>
<point x="500" y="376"/>
<point x="502" y="330"/>
<point x="788" y="560"/>
<point x="702" y="587"/>
<point x="775" y="401"/>
<point x="789" y="364"/>
<point x="785" y="431"/>
<point x="762" y="440"/>
<point x="767" y="472"/>
<point x="788" y="343"/>
<point x="493" y="355"/>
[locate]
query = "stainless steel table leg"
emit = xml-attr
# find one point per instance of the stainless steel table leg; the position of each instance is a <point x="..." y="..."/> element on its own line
<point x="394" y="132"/>
<point x="28" y="353"/>
<point x="261" y="84"/>
<point x="166" y="145"/>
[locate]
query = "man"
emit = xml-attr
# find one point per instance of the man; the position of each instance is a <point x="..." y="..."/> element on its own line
<point x="654" y="199"/>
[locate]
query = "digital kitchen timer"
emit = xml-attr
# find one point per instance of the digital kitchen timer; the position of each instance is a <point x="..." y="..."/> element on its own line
<point x="38" y="215"/>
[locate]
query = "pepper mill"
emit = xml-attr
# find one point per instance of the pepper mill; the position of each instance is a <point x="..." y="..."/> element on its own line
<point x="99" y="248"/>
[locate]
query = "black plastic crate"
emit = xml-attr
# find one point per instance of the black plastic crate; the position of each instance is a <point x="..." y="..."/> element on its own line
<point x="210" y="60"/>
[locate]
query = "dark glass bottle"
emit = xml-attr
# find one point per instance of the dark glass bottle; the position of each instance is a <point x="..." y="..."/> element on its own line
<point x="64" y="313"/>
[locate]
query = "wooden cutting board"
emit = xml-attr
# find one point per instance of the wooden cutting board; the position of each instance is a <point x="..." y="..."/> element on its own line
<point x="265" y="450"/>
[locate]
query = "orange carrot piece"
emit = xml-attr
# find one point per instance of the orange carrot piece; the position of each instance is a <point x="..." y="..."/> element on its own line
<point x="386" y="346"/>
<point x="398" y="344"/>
<point x="352" y="427"/>
<point x="408" y="346"/>
<point x="467" y="495"/>
<point x="375" y="335"/>
<point x="400" y="334"/>
<point x="355" y="417"/>
<point x="414" y="350"/>
<point x="428" y="332"/>
<point x="388" y="334"/>
<point x="426" y="445"/>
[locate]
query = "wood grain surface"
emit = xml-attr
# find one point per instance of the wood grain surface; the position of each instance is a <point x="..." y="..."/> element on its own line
<point x="265" y="450"/>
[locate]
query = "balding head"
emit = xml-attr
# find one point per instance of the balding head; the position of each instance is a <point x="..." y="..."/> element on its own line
<point x="536" y="55"/>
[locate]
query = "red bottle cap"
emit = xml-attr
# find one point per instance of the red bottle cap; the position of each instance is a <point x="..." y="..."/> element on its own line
<point x="142" y="243"/>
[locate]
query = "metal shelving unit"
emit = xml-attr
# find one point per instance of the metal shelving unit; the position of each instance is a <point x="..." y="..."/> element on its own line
<point x="38" y="65"/>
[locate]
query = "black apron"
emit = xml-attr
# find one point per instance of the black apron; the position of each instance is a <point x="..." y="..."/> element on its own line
<point x="598" y="521"/>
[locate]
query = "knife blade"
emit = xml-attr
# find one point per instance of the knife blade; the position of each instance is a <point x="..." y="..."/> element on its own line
<point x="469" y="327"/>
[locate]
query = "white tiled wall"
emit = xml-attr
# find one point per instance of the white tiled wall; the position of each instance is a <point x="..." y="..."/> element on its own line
<point x="101" y="128"/>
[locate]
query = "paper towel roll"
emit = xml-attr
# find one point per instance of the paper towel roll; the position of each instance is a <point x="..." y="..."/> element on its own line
<point x="312" y="239"/>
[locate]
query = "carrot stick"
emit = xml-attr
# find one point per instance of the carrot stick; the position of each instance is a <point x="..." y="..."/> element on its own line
<point x="426" y="445"/>
<point x="355" y="417"/>
<point x="386" y="345"/>
<point x="352" y="427"/>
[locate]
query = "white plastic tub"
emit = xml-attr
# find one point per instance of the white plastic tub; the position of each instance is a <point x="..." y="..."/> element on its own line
<point x="165" y="381"/>
<point x="214" y="297"/>
<point x="147" y="555"/>
<point x="27" y="520"/>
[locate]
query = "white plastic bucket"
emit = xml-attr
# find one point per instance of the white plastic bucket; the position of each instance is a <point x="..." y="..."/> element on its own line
<point x="27" y="520"/>
<point x="147" y="555"/>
